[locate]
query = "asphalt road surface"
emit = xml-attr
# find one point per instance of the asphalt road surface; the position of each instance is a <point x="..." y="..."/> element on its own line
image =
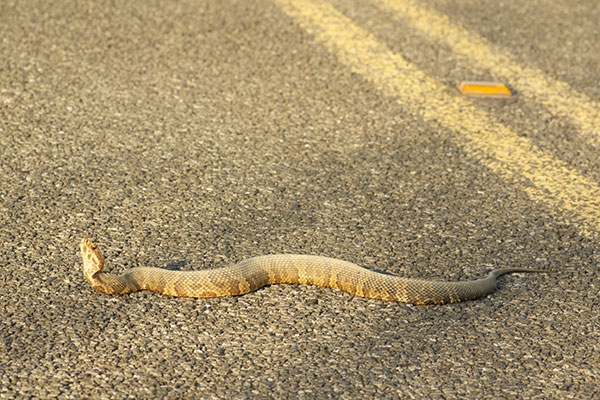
<point x="193" y="134"/>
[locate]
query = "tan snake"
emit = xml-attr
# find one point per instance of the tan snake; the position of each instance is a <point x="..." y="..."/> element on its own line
<point x="256" y="272"/>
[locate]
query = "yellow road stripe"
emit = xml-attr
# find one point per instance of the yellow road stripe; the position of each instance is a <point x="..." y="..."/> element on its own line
<point x="530" y="82"/>
<point x="551" y="181"/>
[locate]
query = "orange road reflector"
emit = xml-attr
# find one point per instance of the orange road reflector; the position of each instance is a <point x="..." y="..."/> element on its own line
<point x="484" y="89"/>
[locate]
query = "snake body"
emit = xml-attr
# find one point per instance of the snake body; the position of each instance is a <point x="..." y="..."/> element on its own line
<point x="256" y="272"/>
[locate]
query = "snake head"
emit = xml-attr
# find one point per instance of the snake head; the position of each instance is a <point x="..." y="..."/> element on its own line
<point x="92" y="259"/>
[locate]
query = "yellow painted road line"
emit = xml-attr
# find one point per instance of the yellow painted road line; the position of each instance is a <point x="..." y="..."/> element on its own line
<point x="550" y="181"/>
<point x="558" y="97"/>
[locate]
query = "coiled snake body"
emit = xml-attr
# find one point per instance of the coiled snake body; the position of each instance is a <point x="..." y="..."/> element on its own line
<point x="253" y="273"/>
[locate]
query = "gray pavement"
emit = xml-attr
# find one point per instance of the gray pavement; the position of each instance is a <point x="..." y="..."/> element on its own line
<point x="193" y="134"/>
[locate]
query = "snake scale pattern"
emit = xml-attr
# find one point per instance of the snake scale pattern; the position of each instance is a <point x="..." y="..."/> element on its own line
<point x="253" y="273"/>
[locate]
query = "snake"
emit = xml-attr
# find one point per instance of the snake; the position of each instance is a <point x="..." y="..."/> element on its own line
<point x="256" y="272"/>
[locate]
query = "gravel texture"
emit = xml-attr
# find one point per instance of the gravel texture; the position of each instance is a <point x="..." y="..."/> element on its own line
<point x="193" y="134"/>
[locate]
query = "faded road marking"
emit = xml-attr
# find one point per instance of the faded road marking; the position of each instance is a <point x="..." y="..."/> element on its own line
<point x="486" y="139"/>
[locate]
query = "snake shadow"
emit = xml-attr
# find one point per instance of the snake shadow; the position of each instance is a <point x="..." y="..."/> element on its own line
<point x="178" y="265"/>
